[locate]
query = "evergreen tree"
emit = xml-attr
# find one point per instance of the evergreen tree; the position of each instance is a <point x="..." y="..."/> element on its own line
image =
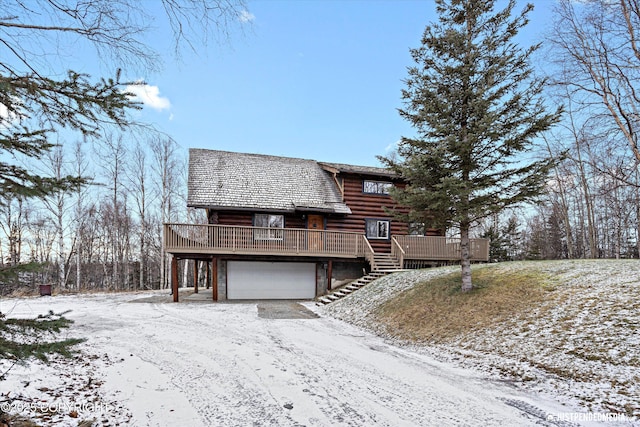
<point x="476" y="108"/>
<point x="497" y="244"/>
<point x="513" y="238"/>
<point x="21" y="339"/>
<point x="33" y="109"/>
<point x="504" y="239"/>
<point x="41" y="103"/>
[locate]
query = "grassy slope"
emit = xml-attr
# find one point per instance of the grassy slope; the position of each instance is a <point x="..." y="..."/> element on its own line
<point x="569" y="326"/>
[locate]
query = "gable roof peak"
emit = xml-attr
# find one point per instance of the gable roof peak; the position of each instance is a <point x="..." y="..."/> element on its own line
<point x="259" y="182"/>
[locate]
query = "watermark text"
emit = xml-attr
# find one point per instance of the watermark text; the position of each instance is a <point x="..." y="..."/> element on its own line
<point x="19" y="406"/>
<point x="588" y="416"/>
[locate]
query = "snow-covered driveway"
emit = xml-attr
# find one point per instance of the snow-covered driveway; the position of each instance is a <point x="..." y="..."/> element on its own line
<point x="193" y="364"/>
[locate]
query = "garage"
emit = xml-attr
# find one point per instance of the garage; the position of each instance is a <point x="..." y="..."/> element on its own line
<point x="271" y="280"/>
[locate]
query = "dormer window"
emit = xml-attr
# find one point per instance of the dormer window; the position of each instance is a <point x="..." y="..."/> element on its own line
<point x="376" y="187"/>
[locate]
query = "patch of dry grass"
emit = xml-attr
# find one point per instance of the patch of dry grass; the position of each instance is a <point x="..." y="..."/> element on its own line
<point x="8" y="420"/>
<point x="437" y="310"/>
<point x="568" y="327"/>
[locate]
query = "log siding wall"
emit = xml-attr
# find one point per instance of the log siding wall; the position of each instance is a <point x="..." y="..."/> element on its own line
<point x="245" y="219"/>
<point x="366" y="206"/>
<point x="363" y="206"/>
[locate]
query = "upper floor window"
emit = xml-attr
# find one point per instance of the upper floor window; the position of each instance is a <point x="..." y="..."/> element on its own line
<point x="272" y="226"/>
<point x="378" y="228"/>
<point x="417" y="229"/>
<point x="376" y="187"/>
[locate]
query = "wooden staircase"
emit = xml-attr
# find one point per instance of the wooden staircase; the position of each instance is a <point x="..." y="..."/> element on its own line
<point x="382" y="265"/>
<point x="385" y="263"/>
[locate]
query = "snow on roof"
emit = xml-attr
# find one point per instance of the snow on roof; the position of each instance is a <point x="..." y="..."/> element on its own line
<point x="243" y="181"/>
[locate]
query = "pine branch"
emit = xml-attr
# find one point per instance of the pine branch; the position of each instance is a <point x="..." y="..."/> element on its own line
<point x="22" y="339"/>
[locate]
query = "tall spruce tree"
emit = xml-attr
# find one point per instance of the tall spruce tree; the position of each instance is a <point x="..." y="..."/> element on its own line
<point x="476" y="108"/>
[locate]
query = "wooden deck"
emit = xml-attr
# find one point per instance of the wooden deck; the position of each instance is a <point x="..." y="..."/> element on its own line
<point x="202" y="239"/>
<point x="438" y="248"/>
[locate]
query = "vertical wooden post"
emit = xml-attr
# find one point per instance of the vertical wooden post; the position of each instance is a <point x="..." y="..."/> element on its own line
<point x="174" y="278"/>
<point x="214" y="276"/>
<point x="195" y="276"/>
<point x="329" y="274"/>
<point x="207" y="274"/>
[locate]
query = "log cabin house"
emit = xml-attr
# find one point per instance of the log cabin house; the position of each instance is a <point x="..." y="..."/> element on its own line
<point x="287" y="228"/>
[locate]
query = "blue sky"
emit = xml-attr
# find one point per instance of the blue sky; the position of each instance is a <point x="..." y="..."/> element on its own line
<point x="311" y="79"/>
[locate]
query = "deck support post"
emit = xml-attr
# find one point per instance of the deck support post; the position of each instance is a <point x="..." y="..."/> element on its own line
<point x="207" y="274"/>
<point x="174" y="278"/>
<point x="214" y="277"/>
<point x="329" y="274"/>
<point x="195" y="276"/>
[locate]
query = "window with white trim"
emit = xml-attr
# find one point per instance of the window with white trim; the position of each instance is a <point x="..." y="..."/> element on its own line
<point x="376" y="187"/>
<point x="378" y="228"/>
<point x="271" y="225"/>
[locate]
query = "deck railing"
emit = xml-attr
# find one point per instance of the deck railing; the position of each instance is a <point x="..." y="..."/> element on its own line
<point x="441" y="248"/>
<point x="397" y="252"/>
<point x="368" y="252"/>
<point x="226" y="239"/>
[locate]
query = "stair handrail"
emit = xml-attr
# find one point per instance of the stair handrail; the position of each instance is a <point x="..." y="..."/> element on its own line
<point x="369" y="253"/>
<point x="397" y="252"/>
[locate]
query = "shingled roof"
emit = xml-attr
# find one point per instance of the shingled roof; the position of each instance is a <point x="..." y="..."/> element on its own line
<point x="225" y="180"/>
<point x="361" y="170"/>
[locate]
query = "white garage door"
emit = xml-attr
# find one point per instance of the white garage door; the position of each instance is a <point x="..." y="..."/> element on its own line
<point x="270" y="280"/>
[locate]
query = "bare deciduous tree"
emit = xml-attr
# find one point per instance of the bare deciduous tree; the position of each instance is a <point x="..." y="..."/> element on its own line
<point x="40" y="95"/>
<point x="599" y="52"/>
<point x="138" y="171"/>
<point x="112" y="153"/>
<point x="56" y="204"/>
<point x="166" y="170"/>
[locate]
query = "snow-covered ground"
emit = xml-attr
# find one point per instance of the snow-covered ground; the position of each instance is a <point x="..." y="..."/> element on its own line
<point x="147" y="362"/>
<point x="581" y="346"/>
